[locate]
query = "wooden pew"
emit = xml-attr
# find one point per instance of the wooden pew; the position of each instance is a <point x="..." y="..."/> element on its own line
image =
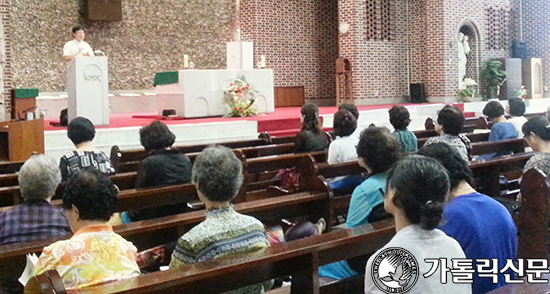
<point x="150" y="233"/>
<point x="121" y="156"/>
<point x="513" y="145"/>
<point x="260" y="172"/>
<point x="9" y="167"/>
<point x="486" y="172"/>
<point x="300" y="259"/>
<point x="249" y="152"/>
<point x="474" y="137"/>
<point x="342" y="197"/>
<point x="429" y="124"/>
<point x="534" y="215"/>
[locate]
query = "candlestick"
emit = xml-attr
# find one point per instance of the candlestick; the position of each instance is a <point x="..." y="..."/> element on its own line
<point x="262" y="61"/>
<point x="185" y="61"/>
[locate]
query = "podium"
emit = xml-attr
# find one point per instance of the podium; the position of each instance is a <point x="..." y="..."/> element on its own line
<point x="19" y="139"/>
<point x="88" y="89"/>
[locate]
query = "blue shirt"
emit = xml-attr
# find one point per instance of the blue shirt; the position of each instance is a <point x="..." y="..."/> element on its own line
<point x="484" y="229"/>
<point x="499" y="132"/>
<point x="503" y="131"/>
<point x="364" y="198"/>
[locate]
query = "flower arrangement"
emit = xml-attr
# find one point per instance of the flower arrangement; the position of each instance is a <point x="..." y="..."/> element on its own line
<point x="521" y="93"/>
<point x="240" y="98"/>
<point x="468" y="93"/>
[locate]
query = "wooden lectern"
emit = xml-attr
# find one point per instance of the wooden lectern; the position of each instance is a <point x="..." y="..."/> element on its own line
<point x="19" y="139"/>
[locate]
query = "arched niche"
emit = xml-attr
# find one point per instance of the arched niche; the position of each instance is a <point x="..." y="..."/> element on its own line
<point x="469" y="28"/>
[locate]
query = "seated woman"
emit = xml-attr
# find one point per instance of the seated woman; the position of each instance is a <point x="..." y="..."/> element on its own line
<point x="400" y="119"/>
<point x="502" y="129"/>
<point x="516" y="109"/>
<point x="342" y="149"/>
<point x="81" y="131"/>
<point x="311" y="137"/>
<point x="416" y="193"/>
<point x="36" y="218"/>
<point x="536" y="132"/>
<point x="353" y="109"/>
<point x="217" y="173"/>
<point x="164" y="166"/>
<point x="449" y="124"/>
<point x="95" y="254"/>
<point x="378" y="150"/>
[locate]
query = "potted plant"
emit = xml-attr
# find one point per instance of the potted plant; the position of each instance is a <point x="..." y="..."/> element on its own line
<point x="494" y="77"/>
<point x="467" y="95"/>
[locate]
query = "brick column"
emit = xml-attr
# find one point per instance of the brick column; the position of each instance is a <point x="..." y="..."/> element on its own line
<point x="536" y="29"/>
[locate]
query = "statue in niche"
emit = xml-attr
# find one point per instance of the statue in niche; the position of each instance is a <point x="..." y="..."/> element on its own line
<point x="463" y="50"/>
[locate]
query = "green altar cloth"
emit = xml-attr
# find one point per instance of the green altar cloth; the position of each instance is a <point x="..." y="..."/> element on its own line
<point x="26" y="93"/>
<point x="167" y="77"/>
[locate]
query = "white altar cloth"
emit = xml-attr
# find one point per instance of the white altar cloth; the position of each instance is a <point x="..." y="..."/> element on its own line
<point x="199" y="93"/>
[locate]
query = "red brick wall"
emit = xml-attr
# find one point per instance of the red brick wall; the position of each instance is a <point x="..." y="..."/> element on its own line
<point x="378" y="66"/>
<point x="8" y="75"/>
<point x="299" y="39"/>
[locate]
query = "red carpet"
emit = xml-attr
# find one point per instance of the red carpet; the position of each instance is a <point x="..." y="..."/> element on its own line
<point x="283" y="119"/>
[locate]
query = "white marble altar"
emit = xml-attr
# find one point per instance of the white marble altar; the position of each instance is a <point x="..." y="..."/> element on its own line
<point x="198" y="93"/>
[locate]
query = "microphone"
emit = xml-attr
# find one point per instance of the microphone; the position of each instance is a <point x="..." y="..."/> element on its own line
<point x="24" y="112"/>
<point x="98" y="52"/>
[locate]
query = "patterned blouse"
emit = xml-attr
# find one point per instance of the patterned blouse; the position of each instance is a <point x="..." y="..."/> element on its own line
<point x="540" y="161"/>
<point x="76" y="160"/>
<point x="224" y="232"/>
<point x="454" y="141"/>
<point x="94" y="255"/>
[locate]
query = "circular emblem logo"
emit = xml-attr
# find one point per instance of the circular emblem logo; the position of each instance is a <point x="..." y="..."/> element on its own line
<point x="394" y="270"/>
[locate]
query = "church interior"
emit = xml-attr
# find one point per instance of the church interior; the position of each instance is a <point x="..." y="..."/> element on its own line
<point x="373" y="54"/>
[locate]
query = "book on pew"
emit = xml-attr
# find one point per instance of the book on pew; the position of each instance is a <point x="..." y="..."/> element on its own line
<point x="27" y="274"/>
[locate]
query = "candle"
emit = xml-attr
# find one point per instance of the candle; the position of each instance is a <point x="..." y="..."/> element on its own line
<point x="185" y="61"/>
<point x="262" y="61"/>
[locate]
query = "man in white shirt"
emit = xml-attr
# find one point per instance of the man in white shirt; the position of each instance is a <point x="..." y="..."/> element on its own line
<point x="77" y="47"/>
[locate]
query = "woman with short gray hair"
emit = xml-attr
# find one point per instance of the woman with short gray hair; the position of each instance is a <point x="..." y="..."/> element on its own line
<point x="36" y="218"/>
<point x="217" y="174"/>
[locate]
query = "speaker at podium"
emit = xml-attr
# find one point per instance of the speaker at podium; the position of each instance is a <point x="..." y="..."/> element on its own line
<point x="88" y="89"/>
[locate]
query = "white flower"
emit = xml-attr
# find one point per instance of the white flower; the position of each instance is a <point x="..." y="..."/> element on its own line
<point x="469" y="82"/>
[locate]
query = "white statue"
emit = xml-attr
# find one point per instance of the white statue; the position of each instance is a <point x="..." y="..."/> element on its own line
<point x="463" y="50"/>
